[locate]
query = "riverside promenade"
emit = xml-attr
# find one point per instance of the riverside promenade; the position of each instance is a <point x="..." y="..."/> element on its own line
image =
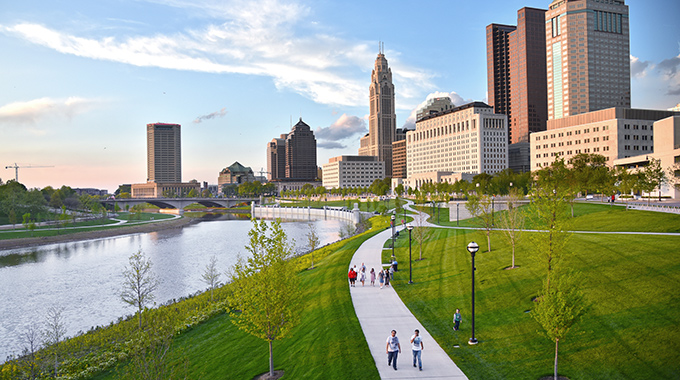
<point x="381" y="310"/>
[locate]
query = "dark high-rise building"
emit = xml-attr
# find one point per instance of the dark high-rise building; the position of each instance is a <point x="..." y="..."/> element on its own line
<point x="498" y="67"/>
<point x="164" y="153"/>
<point x="528" y="85"/>
<point x="276" y="158"/>
<point x="382" y="119"/>
<point x="301" y="153"/>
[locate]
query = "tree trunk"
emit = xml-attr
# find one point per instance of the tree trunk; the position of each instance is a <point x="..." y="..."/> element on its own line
<point x="488" y="240"/>
<point x="271" y="360"/>
<point x="420" y="257"/>
<point x="513" y="254"/>
<point x="557" y="344"/>
<point x="140" y="317"/>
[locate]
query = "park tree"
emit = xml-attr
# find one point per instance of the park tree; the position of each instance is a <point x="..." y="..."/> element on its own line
<point x="399" y="190"/>
<point x="139" y="283"/>
<point x="421" y="232"/>
<point x="55" y="332"/>
<point x="655" y="176"/>
<point x="313" y="241"/>
<point x="31" y="338"/>
<point x="557" y="309"/>
<point x="193" y="193"/>
<point x="512" y="220"/>
<point x="211" y="276"/>
<point x="481" y="207"/>
<point x="266" y="296"/>
<point x="550" y="196"/>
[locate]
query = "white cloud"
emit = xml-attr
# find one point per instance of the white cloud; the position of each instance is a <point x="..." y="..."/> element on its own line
<point x="457" y="100"/>
<point x="638" y="68"/>
<point x="343" y="128"/>
<point x="247" y="37"/>
<point x="659" y="82"/>
<point x="210" y="116"/>
<point x="32" y="111"/>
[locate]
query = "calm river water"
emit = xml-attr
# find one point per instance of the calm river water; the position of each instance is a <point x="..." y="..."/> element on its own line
<point x="85" y="277"/>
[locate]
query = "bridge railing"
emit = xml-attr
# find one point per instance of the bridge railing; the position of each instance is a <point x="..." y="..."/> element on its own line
<point x="307" y="213"/>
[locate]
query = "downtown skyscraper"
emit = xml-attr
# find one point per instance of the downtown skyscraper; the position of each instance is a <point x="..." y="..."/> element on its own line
<point x="164" y="153"/>
<point x="516" y="73"/>
<point x="382" y="119"/>
<point x="587" y="56"/>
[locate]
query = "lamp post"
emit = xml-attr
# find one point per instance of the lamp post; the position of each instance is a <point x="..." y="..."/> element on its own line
<point x="392" y="222"/>
<point x="457" y="213"/>
<point x="473" y="248"/>
<point x="410" y="271"/>
<point x="493" y="208"/>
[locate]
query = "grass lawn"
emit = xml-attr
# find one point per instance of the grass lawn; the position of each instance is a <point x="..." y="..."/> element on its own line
<point x="327" y="344"/>
<point x="631" y="286"/>
<point x="53" y="231"/>
<point x="590" y="217"/>
<point x="349" y="203"/>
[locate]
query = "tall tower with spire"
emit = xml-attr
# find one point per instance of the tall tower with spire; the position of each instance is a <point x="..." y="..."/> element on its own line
<point x="382" y="120"/>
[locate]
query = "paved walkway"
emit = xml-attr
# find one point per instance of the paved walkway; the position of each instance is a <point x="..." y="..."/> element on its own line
<point x="381" y="310"/>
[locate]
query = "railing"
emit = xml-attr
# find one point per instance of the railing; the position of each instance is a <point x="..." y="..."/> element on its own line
<point x="657" y="208"/>
<point x="307" y="213"/>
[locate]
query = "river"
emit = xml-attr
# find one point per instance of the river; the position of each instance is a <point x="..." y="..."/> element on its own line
<point x="85" y="277"/>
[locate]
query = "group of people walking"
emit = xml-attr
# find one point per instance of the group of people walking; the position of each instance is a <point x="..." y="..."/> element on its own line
<point x="383" y="277"/>
<point x="393" y="348"/>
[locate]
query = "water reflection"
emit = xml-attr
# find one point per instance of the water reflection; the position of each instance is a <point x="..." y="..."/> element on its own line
<point x="85" y="277"/>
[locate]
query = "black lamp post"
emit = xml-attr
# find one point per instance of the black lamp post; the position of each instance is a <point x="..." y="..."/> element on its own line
<point x="410" y="271"/>
<point x="392" y="221"/>
<point x="473" y="248"/>
<point x="457" y="213"/>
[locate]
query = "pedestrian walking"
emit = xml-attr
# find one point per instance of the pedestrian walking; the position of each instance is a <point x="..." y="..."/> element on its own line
<point x="362" y="275"/>
<point x="352" y="275"/>
<point x="372" y="277"/>
<point x="456" y="320"/>
<point x="393" y="349"/>
<point x="381" y="278"/>
<point x="387" y="277"/>
<point x="417" y="349"/>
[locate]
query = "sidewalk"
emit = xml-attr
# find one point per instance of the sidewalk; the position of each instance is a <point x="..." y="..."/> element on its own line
<point x="381" y="310"/>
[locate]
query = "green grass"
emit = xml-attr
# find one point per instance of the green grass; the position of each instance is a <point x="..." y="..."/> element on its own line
<point x="327" y="344"/>
<point x="43" y="231"/>
<point x="363" y="206"/>
<point x="631" y="286"/>
<point x="590" y="217"/>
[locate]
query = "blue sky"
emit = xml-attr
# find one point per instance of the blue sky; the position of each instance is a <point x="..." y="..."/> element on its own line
<point x="81" y="79"/>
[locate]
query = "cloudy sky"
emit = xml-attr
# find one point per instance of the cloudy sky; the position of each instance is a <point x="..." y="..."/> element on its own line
<point x="80" y="80"/>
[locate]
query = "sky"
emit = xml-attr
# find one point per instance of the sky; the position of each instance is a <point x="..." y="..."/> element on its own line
<point x="79" y="80"/>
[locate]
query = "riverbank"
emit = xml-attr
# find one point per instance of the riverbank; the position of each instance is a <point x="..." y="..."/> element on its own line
<point x="98" y="234"/>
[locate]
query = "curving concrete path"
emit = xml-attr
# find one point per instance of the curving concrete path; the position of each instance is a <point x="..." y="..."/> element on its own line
<point x="381" y="310"/>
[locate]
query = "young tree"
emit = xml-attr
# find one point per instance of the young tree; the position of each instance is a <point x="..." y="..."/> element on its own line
<point x="557" y="309"/>
<point x="421" y="232"/>
<point x="312" y="241"/>
<point x="31" y="340"/>
<point x="211" y="276"/>
<point x="55" y="331"/>
<point x="481" y="206"/>
<point x="655" y="176"/>
<point x="550" y="195"/>
<point x="265" y="297"/>
<point x="512" y="221"/>
<point x="139" y="283"/>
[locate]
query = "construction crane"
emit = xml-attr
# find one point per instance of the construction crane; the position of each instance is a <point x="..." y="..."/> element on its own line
<point x="16" y="169"/>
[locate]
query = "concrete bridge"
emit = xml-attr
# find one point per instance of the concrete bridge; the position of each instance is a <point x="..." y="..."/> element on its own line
<point x="179" y="204"/>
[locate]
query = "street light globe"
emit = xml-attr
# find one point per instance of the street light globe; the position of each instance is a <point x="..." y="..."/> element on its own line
<point x="473" y="247"/>
<point x="392" y="217"/>
<point x="409" y="227"/>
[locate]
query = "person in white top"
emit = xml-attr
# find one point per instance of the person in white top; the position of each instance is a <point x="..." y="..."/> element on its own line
<point x="393" y="349"/>
<point x="417" y="348"/>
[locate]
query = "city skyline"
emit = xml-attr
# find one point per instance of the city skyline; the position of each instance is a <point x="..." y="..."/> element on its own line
<point x="81" y="81"/>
